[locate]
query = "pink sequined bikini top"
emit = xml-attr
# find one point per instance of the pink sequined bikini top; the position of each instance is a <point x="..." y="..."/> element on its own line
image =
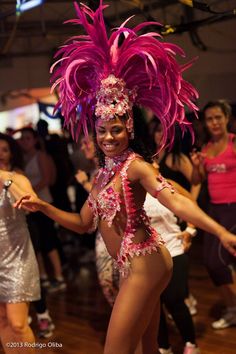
<point x="105" y="206"/>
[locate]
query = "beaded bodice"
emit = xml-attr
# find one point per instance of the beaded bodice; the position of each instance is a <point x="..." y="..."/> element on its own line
<point x="105" y="206"/>
<point x="108" y="203"/>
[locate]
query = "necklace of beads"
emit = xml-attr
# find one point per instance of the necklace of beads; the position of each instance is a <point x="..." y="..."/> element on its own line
<point x="113" y="165"/>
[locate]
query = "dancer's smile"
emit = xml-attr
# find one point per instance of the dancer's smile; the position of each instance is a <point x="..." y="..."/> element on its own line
<point x="112" y="136"/>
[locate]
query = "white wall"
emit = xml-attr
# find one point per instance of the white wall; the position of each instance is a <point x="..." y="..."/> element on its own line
<point x="214" y="73"/>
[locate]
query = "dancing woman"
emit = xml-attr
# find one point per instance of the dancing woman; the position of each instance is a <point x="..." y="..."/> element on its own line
<point x="217" y="164"/>
<point x="19" y="277"/>
<point x="106" y="80"/>
<point x="177" y="243"/>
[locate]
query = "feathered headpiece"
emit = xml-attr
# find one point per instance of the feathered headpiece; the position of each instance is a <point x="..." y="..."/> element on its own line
<point x="97" y="75"/>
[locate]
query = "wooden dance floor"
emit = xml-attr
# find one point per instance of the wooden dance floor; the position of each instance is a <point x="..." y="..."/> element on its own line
<point x="81" y="314"/>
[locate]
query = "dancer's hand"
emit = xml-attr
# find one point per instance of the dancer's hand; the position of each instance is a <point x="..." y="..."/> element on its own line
<point x="197" y="157"/>
<point x="83" y="179"/>
<point x="228" y="240"/>
<point x="186" y="239"/>
<point x="29" y="203"/>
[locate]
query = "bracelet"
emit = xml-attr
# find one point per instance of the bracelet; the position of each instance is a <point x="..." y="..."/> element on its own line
<point x="7" y="183"/>
<point x="191" y="230"/>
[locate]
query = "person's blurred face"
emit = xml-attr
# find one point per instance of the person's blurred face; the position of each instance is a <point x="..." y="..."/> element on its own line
<point x="87" y="147"/>
<point x="158" y="135"/>
<point x="5" y="154"/>
<point x="27" y="141"/>
<point x="112" y="136"/>
<point x="216" y="121"/>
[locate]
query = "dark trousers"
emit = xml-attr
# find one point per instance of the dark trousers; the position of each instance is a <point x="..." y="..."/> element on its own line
<point x="173" y="298"/>
<point x="217" y="259"/>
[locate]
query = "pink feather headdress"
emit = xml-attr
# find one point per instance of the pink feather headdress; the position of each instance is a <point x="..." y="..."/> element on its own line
<point x="98" y="76"/>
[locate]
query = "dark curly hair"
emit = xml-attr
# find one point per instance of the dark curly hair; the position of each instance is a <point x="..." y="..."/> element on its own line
<point x="141" y="142"/>
<point x="16" y="161"/>
<point x="176" y="148"/>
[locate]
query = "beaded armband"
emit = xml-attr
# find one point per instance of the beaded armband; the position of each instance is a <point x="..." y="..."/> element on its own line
<point x="163" y="184"/>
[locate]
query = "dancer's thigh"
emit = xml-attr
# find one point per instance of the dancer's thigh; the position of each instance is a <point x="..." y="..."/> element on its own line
<point x="136" y="301"/>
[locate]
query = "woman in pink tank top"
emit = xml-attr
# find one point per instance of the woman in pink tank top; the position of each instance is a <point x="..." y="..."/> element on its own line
<point x="217" y="163"/>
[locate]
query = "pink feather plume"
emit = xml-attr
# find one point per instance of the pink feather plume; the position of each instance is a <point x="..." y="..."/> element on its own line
<point x="143" y="61"/>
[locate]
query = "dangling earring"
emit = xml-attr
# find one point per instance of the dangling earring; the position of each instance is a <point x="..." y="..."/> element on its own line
<point x="130" y="127"/>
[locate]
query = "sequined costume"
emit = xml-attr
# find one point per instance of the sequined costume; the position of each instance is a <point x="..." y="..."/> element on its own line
<point x="106" y="76"/>
<point x="108" y="203"/>
<point x="19" y="276"/>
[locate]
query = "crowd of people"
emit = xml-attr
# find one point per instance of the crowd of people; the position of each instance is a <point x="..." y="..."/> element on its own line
<point x="136" y="197"/>
<point x="177" y="239"/>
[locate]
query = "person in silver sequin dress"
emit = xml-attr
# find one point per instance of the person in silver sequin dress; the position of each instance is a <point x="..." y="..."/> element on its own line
<point x="19" y="276"/>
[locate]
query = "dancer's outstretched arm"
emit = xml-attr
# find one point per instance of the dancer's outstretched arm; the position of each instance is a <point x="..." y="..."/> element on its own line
<point x="20" y="184"/>
<point x="26" y="198"/>
<point x="80" y="223"/>
<point x="181" y="206"/>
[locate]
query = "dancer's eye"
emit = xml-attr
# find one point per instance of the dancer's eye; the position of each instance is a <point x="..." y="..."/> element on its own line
<point x="117" y="130"/>
<point x="101" y="131"/>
